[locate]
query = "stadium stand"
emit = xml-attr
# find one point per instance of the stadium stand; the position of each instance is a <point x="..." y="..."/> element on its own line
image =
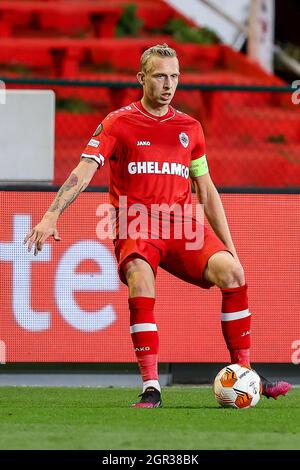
<point x="79" y="40"/>
<point x="63" y="17"/>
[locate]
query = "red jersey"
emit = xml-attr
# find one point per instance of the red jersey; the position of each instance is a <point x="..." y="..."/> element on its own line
<point x="149" y="156"/>
<point x="150" y="160"/>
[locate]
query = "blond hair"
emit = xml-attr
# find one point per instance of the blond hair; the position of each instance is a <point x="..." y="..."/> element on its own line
<point x="161" y="50"/>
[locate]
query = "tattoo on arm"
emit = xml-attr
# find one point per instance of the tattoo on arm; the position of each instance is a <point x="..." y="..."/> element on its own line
<point x="62" y="200"/>
<point x="88" y="160"/>
<point x="75" y="195"/>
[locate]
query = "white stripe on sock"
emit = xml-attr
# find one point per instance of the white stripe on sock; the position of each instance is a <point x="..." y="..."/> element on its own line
<point x="235" y="315"/>
<point x="138" y="327"/>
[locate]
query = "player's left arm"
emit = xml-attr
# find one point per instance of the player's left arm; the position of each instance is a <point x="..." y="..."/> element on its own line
<point x="208" y="196"/>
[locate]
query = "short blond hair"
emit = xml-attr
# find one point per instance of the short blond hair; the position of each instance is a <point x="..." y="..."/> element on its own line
<point x="160" y="50"/>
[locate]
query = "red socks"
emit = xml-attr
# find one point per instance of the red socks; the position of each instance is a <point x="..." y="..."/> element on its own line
<point x="236" y="324"/>
<point x="144" y="336"/>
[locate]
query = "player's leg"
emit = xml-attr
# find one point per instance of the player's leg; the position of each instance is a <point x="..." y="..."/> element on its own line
<point x="213" y="265"/>
<point x="141" y="284"/>
<point x="138" y="261"/>
<point x="224" y="271"/>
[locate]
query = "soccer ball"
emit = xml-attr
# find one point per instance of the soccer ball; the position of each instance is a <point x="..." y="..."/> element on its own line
<point x="237" y="386"/>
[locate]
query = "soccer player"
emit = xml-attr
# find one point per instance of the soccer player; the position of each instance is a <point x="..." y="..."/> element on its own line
<point x="152" y="151"/>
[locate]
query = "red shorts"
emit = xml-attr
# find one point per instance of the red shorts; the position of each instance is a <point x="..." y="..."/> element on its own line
<point x="171" y="255"/>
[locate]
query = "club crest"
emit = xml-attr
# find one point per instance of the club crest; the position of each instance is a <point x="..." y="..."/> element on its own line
<point x="184" y="139"/>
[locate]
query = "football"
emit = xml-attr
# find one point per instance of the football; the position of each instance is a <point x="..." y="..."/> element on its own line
<point x="237" y="386"/>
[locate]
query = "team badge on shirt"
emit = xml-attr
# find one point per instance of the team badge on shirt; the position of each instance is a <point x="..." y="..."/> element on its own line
<point x="98" y="130"/>
<point x="184" y="139"/>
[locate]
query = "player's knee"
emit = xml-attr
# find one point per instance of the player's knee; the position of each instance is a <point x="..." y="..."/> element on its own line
<point x="230" y="275"/>
<point x="140" y="282"/>
<point x="233" y="276"/>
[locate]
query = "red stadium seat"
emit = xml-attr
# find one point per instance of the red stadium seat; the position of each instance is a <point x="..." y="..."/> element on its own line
<point x="64" y="17"/>
<point x="63" y="55"/>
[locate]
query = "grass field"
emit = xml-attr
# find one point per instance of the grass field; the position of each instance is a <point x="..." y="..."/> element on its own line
<point x="100" y="418"/>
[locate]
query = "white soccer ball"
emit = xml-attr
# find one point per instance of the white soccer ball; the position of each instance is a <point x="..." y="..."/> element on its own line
<point x="237" y="386"/>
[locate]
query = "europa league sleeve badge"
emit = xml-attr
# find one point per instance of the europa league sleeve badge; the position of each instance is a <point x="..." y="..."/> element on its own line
<point x="98" y="130"/>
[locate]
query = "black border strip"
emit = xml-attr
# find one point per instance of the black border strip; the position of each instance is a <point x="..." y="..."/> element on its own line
<point x="128" y="84"/>
<point x="140" y="458"/>
<point x="241" y="190"/>
<point x="38" y="187"/>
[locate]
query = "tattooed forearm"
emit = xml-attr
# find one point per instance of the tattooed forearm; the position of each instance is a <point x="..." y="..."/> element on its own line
<point x="88" y="160"/>
<point x="75" y="195"/>
<point x="67" y="194"/>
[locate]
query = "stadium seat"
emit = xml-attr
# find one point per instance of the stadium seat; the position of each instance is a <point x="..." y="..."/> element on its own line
<point x="65" y="17"/>
<point x="63" y="55"/>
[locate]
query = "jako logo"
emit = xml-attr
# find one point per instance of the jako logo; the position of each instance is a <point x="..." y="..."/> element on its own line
<point x="143" y="348"/>
<point x="144" y="143"/>
<point x="245" y="333"/>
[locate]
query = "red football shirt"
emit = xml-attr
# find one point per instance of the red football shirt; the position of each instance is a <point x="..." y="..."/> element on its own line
<point x="149" y="156"/>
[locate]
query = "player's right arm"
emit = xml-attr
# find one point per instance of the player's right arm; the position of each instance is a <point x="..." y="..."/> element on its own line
<point x="78" y="180"/>
<point x="98" y="150"/>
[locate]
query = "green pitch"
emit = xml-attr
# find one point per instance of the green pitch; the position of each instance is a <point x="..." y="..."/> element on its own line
<point x="100" y="418"/>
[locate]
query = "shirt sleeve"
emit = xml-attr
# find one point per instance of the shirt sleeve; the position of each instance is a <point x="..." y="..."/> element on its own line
<point x="102" y="144"/>
<point x="198" y="164"/>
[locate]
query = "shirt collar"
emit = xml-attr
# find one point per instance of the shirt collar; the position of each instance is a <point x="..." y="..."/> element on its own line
<point x="170" y="113"/>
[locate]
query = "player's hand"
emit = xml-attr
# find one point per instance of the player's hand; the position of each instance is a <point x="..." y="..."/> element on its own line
<point x="39" y="235"/>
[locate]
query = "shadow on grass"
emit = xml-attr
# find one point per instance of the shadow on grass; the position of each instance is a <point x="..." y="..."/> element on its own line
<point x="195" y="407"/>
